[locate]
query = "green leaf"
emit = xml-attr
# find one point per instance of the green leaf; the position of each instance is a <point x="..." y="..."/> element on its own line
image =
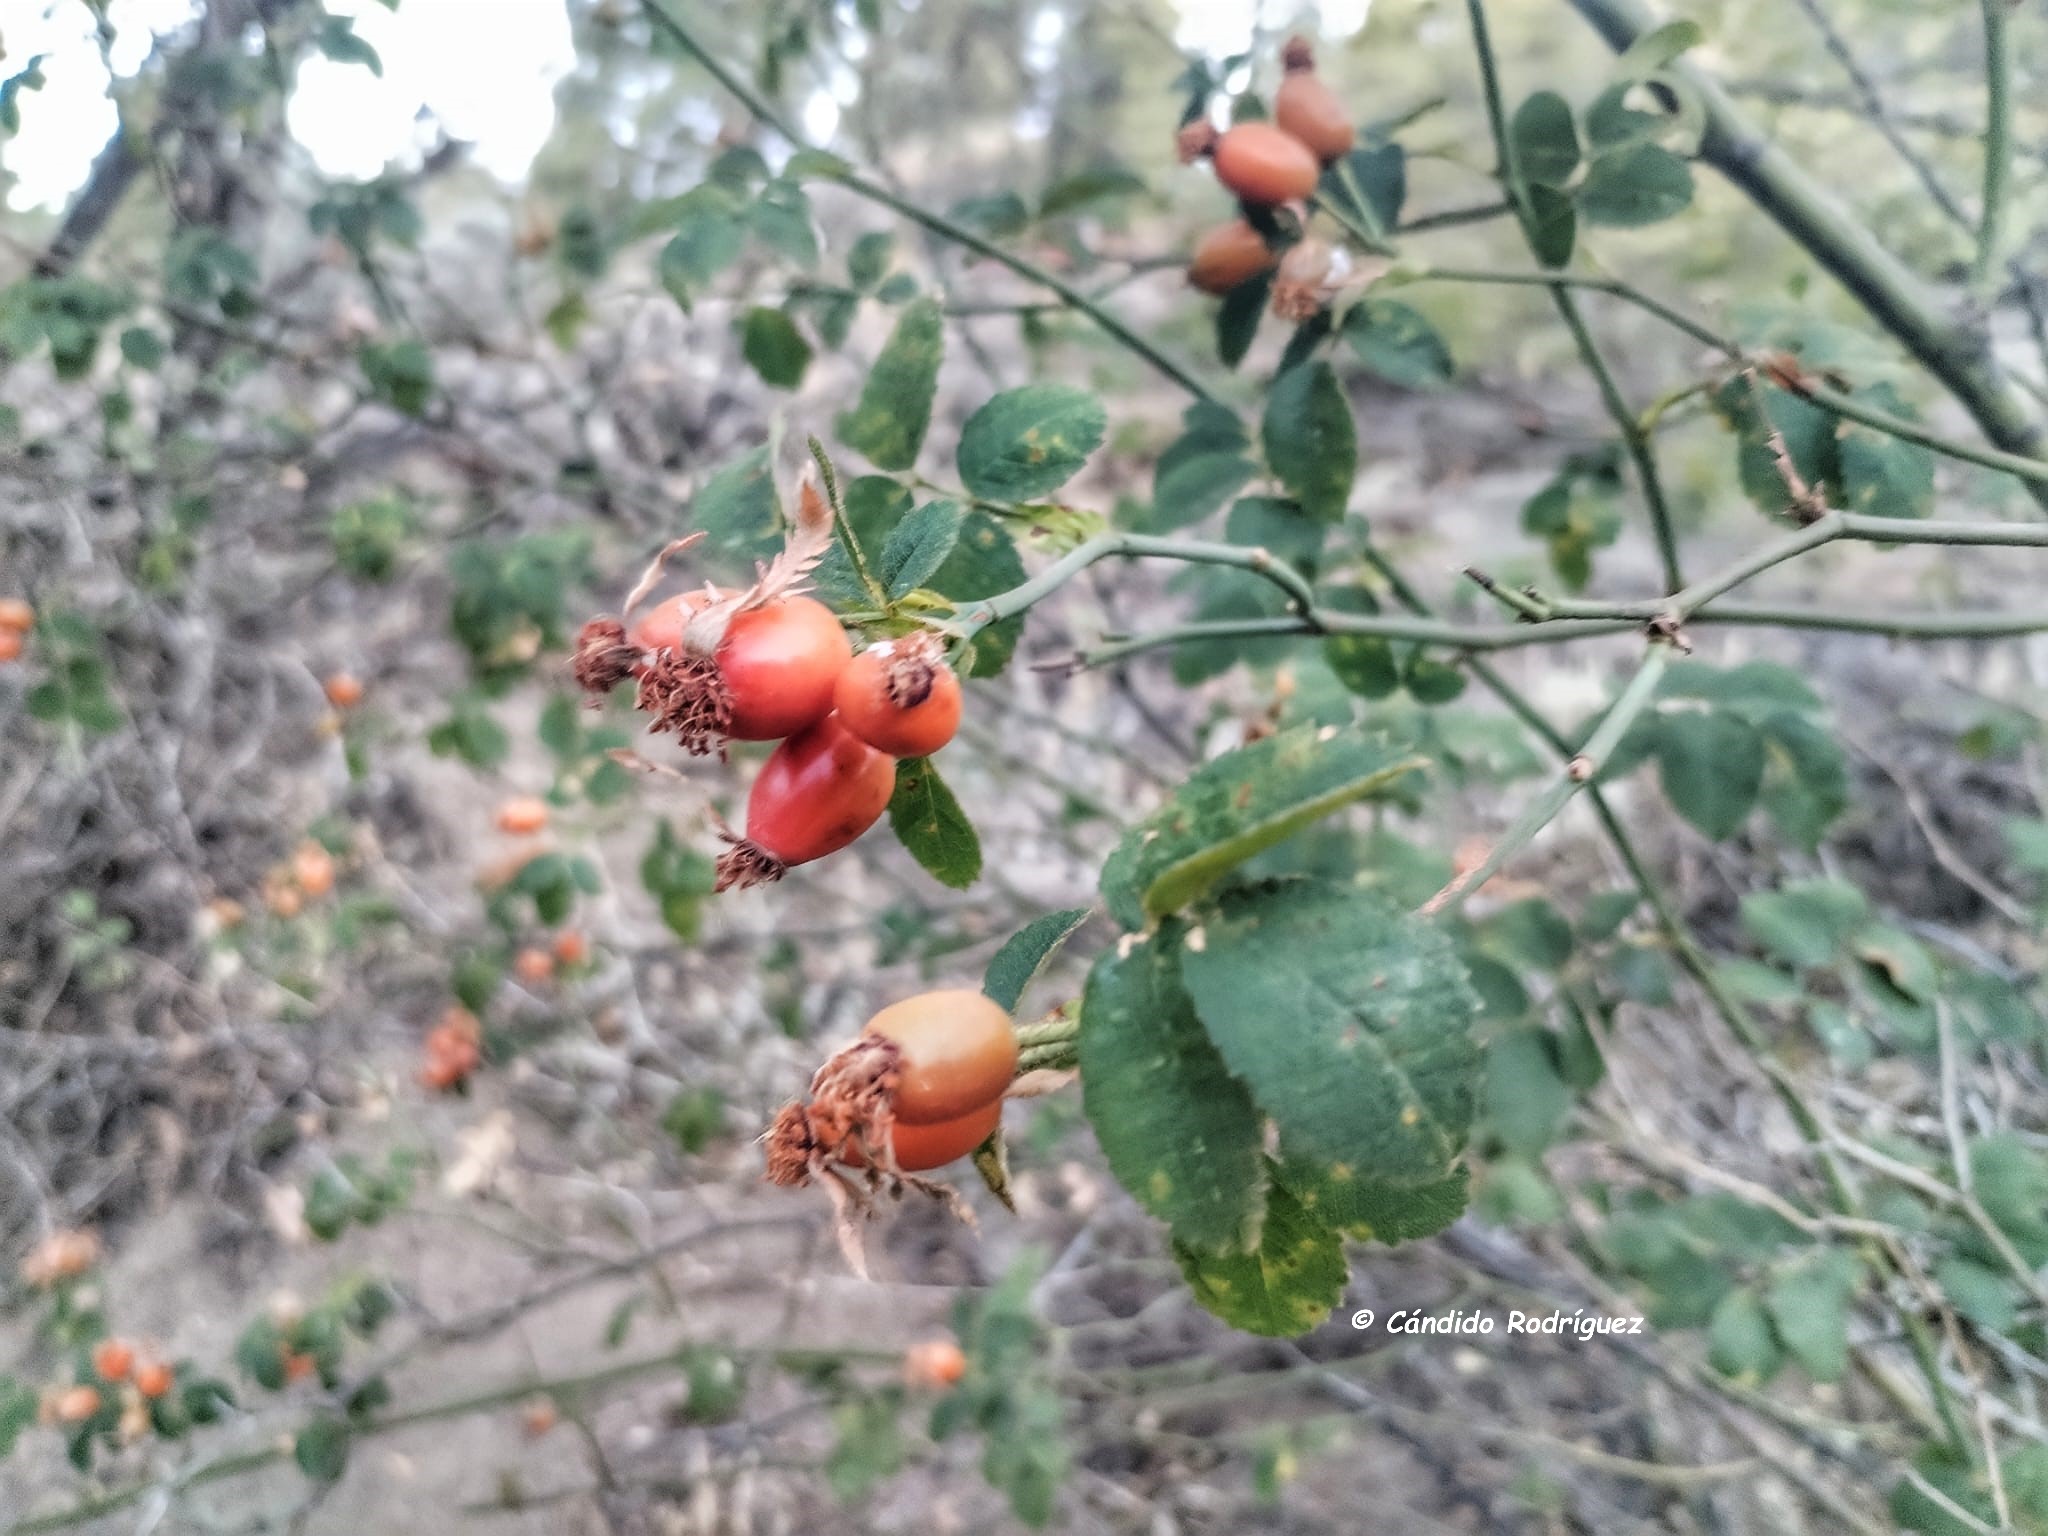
<point x="1958" y="1479"/>
<point x="737" y="508"/>
<point x="259" y="1354"/>
<point x="918" y="546"/>
<point x="1530" y="933"/>
<point x="1526" y="1098"/>
<point x="321" y="1449"/>
<point x="1398" y="344"/>
<point x="1365" y="664"/>
<point x="1551" y="220"/>
<point x="1366" y="1208"/>
<point x="929" y="822"/>
<point x="781" y="220"/>
<point x="1807" y="433"/>
<point x="1224" y="594"/>
<point x="1027" y="443"/>
<point x="984" y="562"/>
<point x="999" y="214"/>
<point x="1086" y="187"/>
<point x="1275" y="524"/>
<point x="1657" y="48"/>
<point x="771" y="342"/>
<point x="869" y="258"/>
<point x="1883" y="475"/>
<point x="1350" y="1021"/>
<point x="1806" y="922"/>
<point x="1986" y="1296"/>
<point x="400" y="373"/>
<point x="1195" y="488"/>
<point x="1898" y="962"/>
<point x="678" y="877"/>
<point x="1755" y="689"/>
<point x="1545" y="140"/>
<point x="2011" y="1182"/>
<point x="896" y="402"/>
<point x="1281" y="1290"/>
<point x="1739" y="1338"/>
<point x="812" y="164"/>
<point x="1238" y="805"/>
<point x="1634" y="186"/>
<point x="1806" y="777"/>
<point x="1026" y="953"/>
<point x="868" y="1449"/>
<point x="18" y="1407"/>
<point x="708" y="239"/>
<point x="142" y="347"/>
<point x="1310" y="439"/>
<point x="1430" y="681"/>
<point x="1380" y="172"/>
<point x="1712" y="766"/>
<point x="1238" y="317"/>
<point x="1809" y="1307"/>
<point x="1179" y="1132"/>
<point x="337" y="39"/>
<point x="694" y="1117"/>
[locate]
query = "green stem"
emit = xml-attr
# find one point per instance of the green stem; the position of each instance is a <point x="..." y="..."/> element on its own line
<point x="2032" y="470"/>
<point x="1633" y="437"/>
<point x="1483" y="638"/>
<point x="1450" y="218"/>
<point x="862" y="186"/>
<point x="1496" y="112"/>
<point x="1682" y="605"/>
<point x="977" y="615"/>
<point x="1997" y="139"/>
<point x="1060" y="1029"/>
<point x="1584" y="282"/>
<point x="1576" y="774"/>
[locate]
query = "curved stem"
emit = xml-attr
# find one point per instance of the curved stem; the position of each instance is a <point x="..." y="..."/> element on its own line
<point x="974" y="616"/>
<point x="873" y="191"/>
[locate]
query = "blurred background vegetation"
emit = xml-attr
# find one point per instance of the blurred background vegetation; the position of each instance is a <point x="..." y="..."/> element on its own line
<point x="350" y="360"/>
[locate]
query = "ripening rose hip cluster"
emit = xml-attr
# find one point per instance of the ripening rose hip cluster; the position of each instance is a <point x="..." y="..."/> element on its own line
<point x="1269" y="166"/>
<point x="769" y="664"/>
